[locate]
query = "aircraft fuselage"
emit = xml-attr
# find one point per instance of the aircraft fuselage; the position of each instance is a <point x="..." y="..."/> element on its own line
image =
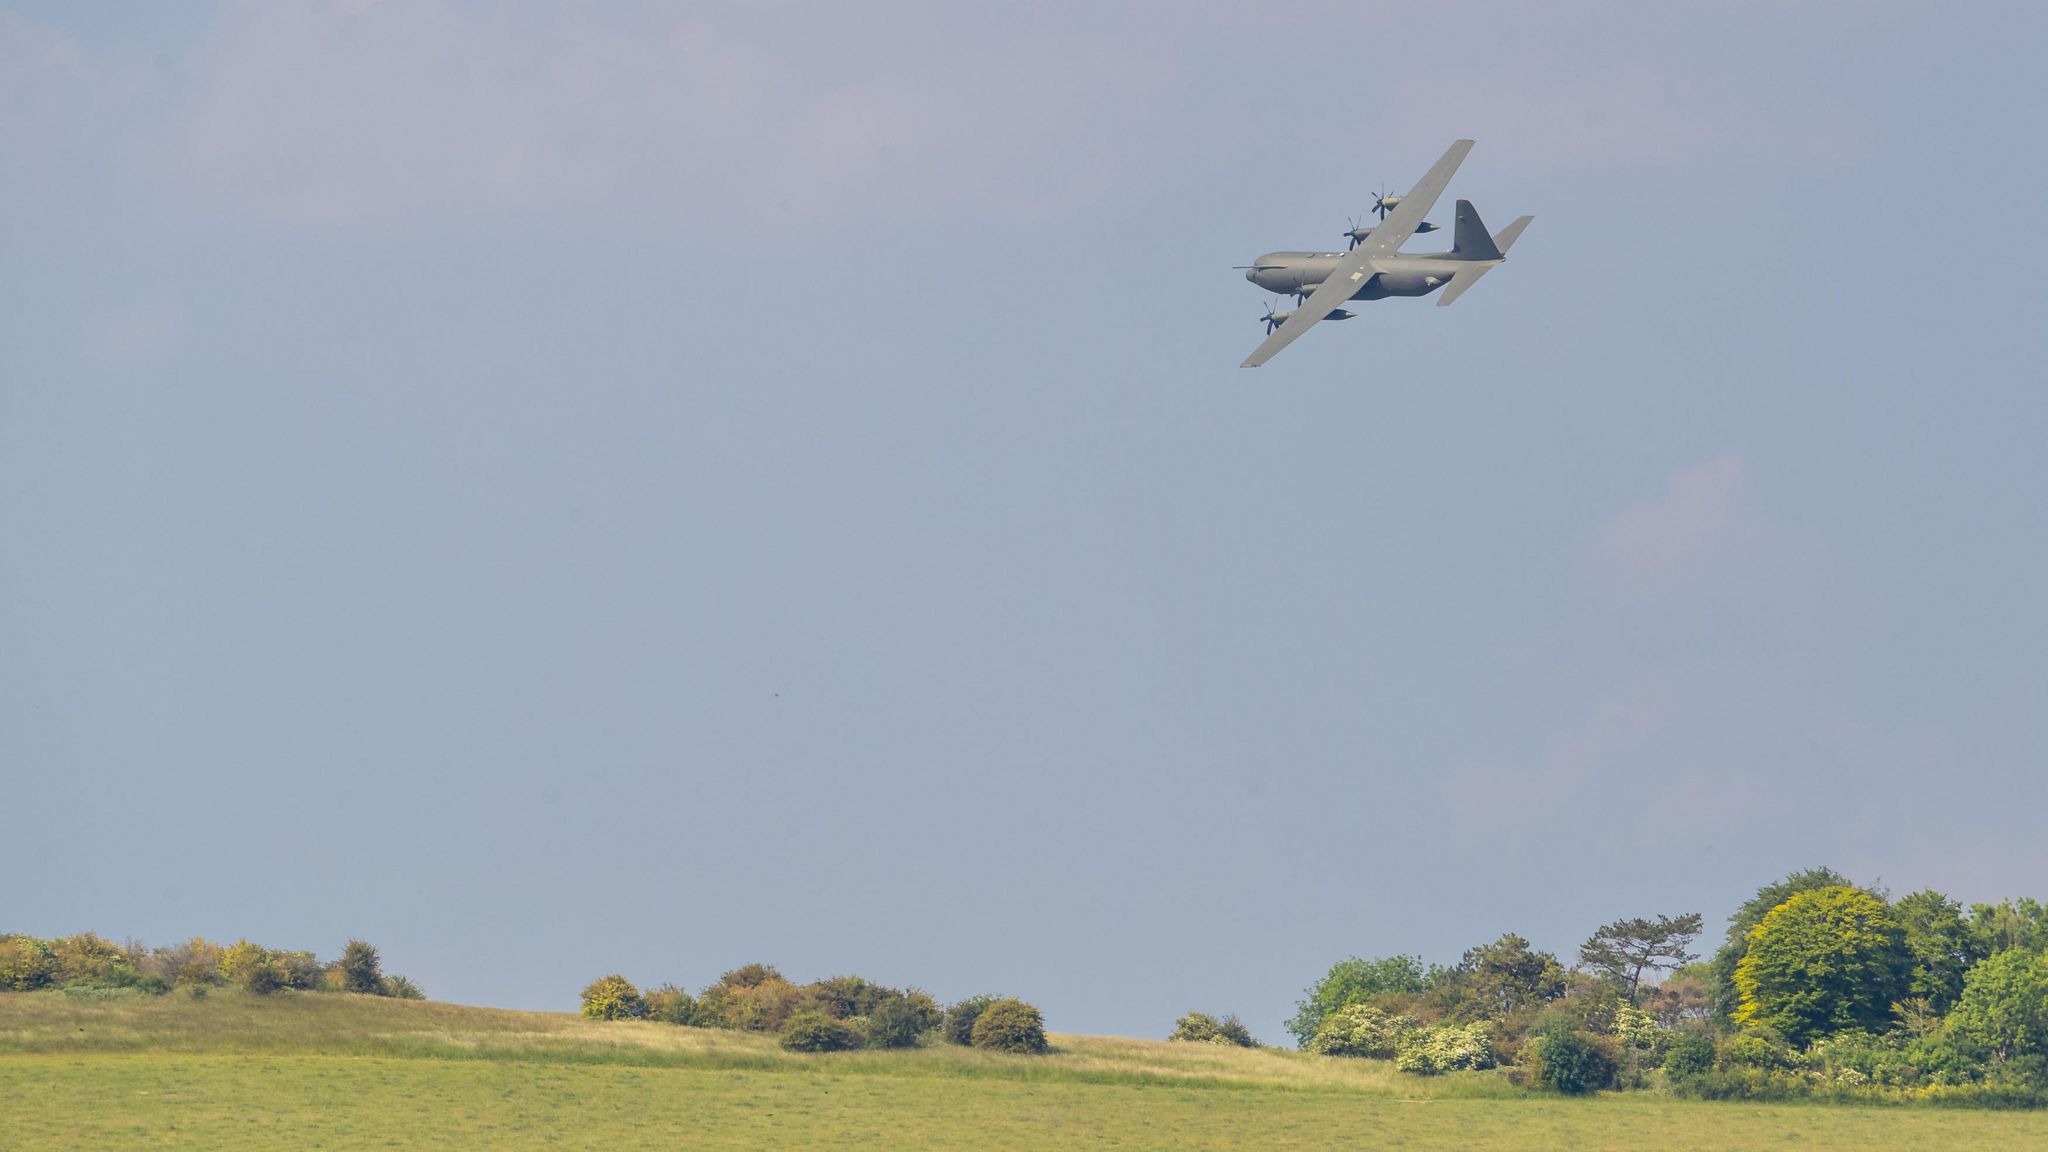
<point x="1403" y="274"/>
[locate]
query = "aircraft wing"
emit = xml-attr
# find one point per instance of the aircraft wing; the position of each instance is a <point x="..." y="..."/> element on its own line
<point x="1386" y="237"/>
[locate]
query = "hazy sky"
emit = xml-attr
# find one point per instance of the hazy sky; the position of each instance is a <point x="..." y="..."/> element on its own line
<point x="559" y="489"/>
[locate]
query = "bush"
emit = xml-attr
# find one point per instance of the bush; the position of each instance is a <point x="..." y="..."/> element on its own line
<point x="1690" y="1054"/>
<point x="1010" y="1026"/>
<point x="1202" y="1028"/>
<point x="900" y="1020"/>
<point x="26" y="964"/>
<point x="1361" y="1030"/>
<point x="811" y="1030"/>
<point x="302" y="970"/>
<point x="400" y="988"/>
<point x="959" y="1024"/>
<point x="613" y="998"/>
<point x="671" y="1005"/>
<point x="750" y="1004"/>
<point x="1354" y="981"/>
<point x="195" y="963"/>
<point x="1445" y="1048"/>
<point x="1756" y="1048"/>
<point x="1574" y="1063"/>
<point x="360" y="969"/>
<point x="90" y="959"/>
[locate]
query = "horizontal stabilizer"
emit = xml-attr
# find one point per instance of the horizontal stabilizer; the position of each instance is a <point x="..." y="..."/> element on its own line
<point x="1465" y="278"/>
<point x="1505" y="238"/>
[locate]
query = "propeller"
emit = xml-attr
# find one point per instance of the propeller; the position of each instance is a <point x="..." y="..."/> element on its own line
<point x="1383" y="203"/>
<point x="1273" y="319"/>
<point x="1355" y="233"/>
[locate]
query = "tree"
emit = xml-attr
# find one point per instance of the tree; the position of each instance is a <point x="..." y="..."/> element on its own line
<point x="613" y="998"/>
<point x="2002" y="1012"/>
<point x="1010" y="1026"/>
<point x="900" y="1019"/>
<point x="670" y="1005"/>
<point x="1493" y="981"/>
<point x="1361" y="1030"/>
<point x="360" y="968"/>
<point x="26" y="964"/>
<point x="1824" y="960"/>
<point x="1202" y="1028"/>
<point x="1749" y="916"/>
<point x="1352" y="981"/>
<point x="1573" y="1062"/>
<point x="1625" y="949"/>
<point x="813" y="1030"/>
<point x="2019" y="923"/>
<point x="959" y="1024"/>
<point x="1943" y="947"/>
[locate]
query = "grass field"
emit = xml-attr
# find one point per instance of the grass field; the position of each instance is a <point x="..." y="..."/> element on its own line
<point x="332" y="1071"/>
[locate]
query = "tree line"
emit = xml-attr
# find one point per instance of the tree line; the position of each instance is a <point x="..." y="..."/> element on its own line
<point x="91" y="962"/>
<point x="836" y="1015"/>
<point x="1821" y="987"/>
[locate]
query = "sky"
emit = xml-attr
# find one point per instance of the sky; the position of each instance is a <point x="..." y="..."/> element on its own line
<point x="563" y="489"/>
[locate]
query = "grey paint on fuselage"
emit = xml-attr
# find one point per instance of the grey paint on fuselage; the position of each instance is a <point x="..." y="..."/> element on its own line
<point x="1403" y="274"/>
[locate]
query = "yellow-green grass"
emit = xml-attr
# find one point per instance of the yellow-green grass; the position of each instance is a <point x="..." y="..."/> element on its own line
<point x="331" y="1071"/>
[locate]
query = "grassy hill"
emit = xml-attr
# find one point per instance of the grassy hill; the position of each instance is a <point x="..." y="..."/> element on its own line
<point x="234" y="1071"/>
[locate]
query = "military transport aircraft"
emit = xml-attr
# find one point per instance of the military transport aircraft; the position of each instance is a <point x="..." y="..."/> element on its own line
<point x="1375" y="267"/>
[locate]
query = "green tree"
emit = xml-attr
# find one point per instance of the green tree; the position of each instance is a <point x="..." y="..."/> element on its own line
<point x="26" y="964"/>
<point x="1010" y="1026"/>
<point x="959" y="1024"/>
<point x="1822" y="961"/>
<point x="2019" y="924"/>
<point x="1722" y="985"/>
<point x="813" y="1030"/>
<point x="613" y="998"/>
<point x="1624" y="950"/>
<point x="1494" y="981"/>
<point x="1943" y="947"/>
<point x="360" y="968"/>
<point x="1573" y="1062"/>
<point x="1353" y="981"/>
<point x="1361" y="1030"/>
<point x="2002" y="1012"/>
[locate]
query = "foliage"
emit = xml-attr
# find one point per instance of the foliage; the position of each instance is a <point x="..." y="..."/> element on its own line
<point x="959" y="1024"/>
<point x="812" y="1030"/>
<point x="1689" y="1054"/>
<point x="751" y="999"/>
<point x="1824" y="960"/>
<point x="1758" y="1048"/>
<point x="1625" y="949"/>
<point x="1683" y="996"/>
<point x="1574" y="1062"/>
<point x="2002" y="1013"/>
<point x="1353" y="981"/>
<point x="360" y="969"/>
<point x="613" y="998"/>
<point x="90" y="959"/>
<point x="254" y="967"/>
<point x="1942" y="945"/>
<point x="1722" y="971"/>
<point x="901" y="1020"/>
<point x="1362" y="1030"/>
<point x="193" y="964"/>
<point x="1445" y="1048"/>
<point x="1494" y="981"/>
<point x="670" y="1005"/>
<point x="2021" y="924"/>
<point x="1202" y="1028"/>
<point x="1010" y="1026"/>
<point x="26" y="964"/>
<point x="400" y="988"/>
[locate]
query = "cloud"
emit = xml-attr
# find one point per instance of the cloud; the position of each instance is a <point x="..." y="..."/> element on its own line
<point x="1699" y="536"/>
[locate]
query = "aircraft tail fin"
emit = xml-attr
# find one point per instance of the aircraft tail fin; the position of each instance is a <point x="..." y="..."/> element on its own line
<point x="1472" y="241"/>
<point x="1505" y="238"/>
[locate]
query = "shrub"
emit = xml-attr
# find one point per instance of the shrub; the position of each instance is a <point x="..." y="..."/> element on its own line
<point x="812" y="1030"/>
<point x="1361" y="1030"/>
<point x="89" y="959"/>
<point x="760" y="1006"/>
<point x="2002" y="1013"/>
<point x="671" y="1005"/>
<point x="749" y="976"/>
<point x="613" y="998"/>
<point x="1202" y="1028"/>
<point x="1690" y="1054"/>
<point x="900" y="1020"/>
<point x="844" y="997"/>
<point x="1010" y="1026"/>
<point x="1572" y="1062"/>
<point x="1445" y="1048"/>
<point x="400" y="988"/>
<point x="1756" y="1048"/>
<point x="360" y="968"/>
<point x="26" y="964"/>
<point x="302" y="970"/>
<point x="1353" y="981"/>
<point x="959" y="1024"/>
<point x="195" y="963"/>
